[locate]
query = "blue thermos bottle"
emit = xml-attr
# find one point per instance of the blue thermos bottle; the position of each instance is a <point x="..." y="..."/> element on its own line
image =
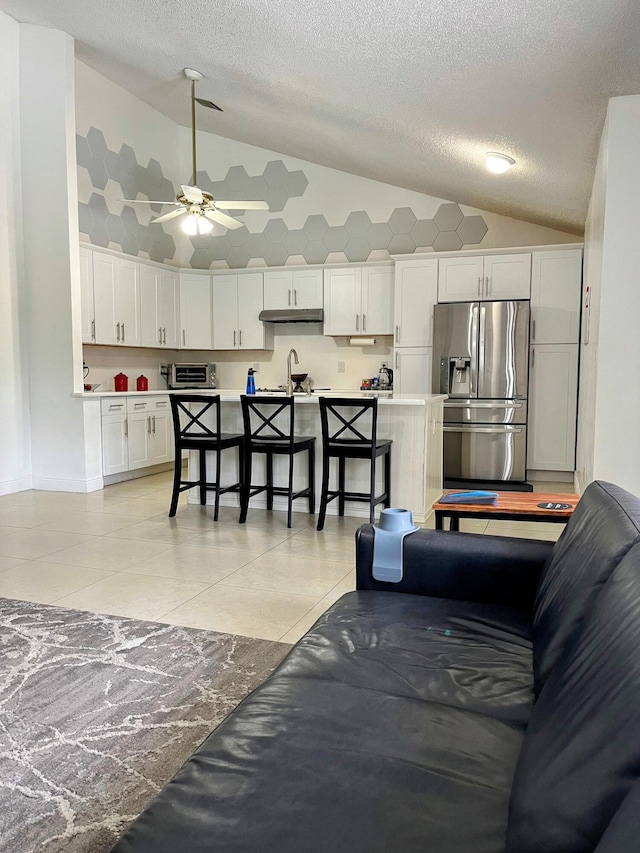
<point x="251" y="382"/>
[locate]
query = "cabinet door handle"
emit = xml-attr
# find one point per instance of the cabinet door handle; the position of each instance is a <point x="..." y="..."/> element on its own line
<point x="479" y="286"/>
<point x="533" y="358"/>
<point x="396" y="361"/>
<point x="118" y="332"/>
<point x="486" y="290"/>
<point x="364" y="322"/>
<point x="289" y="297"/>
<point x="148" y="424"/>
<point x="357" y="322"/>
<point x="183" y="338"/>
<point x="240" y="338"/>
<point x="126" y="427"/>
<point x="295" y="298"/>
<point x="234" y="337"/>
<point x="397" y="334"/>
<point x="154" y="424"/>
<point x="533" y="331"/>
<point x="160" y="335"/>
<point x="123" y="333"/>
<point x="93" y="330"/>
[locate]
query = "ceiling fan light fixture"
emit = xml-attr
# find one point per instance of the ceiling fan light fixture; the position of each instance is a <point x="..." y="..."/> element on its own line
<point x="498" y="163"/>
<point x="194" y="224"/>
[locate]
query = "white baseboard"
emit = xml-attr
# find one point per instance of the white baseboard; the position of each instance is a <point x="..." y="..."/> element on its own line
<point x="8" y="487"/>
<point x="55" y="484"/>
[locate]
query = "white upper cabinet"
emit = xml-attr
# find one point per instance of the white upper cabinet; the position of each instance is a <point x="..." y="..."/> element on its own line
<point x="158" y="307"/>
<point x="86" y="296"/>
<point x="237" y="302"/>
<point x="116" y="300"/>
<point x="196" y="330"/>
<point x="358" y="301"/>
<point x="507" y="276"/>
<point x="472" y="277"/>
<point x="416" y="292"/>
<point x="460" y="279"/>
<point x="292" y="289"/>
<point x="555" y="297"/>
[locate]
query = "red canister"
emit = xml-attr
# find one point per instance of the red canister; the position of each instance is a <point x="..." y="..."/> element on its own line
<point x="142" y="383"/>
<point x="121" y="382"/>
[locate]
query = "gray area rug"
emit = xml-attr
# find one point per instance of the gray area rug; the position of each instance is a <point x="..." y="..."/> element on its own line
<point x="98" y="712"/>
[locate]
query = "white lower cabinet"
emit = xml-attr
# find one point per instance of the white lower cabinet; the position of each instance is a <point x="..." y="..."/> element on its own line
<point x="412" y="370"/>
<point x="136" y="433"/>
<point x="553" y="401"/>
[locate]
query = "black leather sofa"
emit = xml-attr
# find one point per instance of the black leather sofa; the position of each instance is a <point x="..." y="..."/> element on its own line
<point x="489" y="702"/>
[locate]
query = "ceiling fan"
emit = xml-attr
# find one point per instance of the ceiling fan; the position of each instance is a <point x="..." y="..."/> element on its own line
<point x="199" y="207"/>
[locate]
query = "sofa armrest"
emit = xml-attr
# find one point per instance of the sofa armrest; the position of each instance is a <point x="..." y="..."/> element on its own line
<point x="462" y="566"/>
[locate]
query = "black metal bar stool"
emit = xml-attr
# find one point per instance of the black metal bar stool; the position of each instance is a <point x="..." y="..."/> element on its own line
<point x="194" y="434"/>
<point x="263" y="435"/>
<point x="343" y="439"/>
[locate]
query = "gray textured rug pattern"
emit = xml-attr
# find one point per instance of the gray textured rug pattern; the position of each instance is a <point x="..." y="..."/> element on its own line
<point x="98" y="712"/>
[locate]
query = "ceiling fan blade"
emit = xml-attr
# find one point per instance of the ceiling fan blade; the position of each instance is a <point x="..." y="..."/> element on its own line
<point x="223" y="219"/>
<point x="145" y="201"/>
<point x="192" y="194"/>
<point x="209" y="104"/>
<point x="242" y="205"/>
<point x="171" y="215"/>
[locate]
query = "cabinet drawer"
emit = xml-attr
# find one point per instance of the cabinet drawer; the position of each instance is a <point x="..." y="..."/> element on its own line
<point x="147" y="404"/>
<point x="113" y="405"/>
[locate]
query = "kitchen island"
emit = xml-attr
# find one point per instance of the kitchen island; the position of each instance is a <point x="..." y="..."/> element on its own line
<point x="413" y="422"/>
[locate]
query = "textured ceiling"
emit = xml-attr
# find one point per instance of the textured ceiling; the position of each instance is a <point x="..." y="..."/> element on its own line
<point x="410" y="92"/>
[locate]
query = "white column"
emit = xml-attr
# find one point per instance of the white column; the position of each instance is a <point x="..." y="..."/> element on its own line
<point x="52" y="269"/>
<point x="609" y="417"/>
<point x="15" y="446"/>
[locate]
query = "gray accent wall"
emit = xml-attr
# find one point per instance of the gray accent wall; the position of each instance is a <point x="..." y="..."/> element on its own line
<point x="105" y="221"/>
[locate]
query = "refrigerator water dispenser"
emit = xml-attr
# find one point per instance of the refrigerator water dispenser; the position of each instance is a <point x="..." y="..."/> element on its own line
<point x="455" y="376"/>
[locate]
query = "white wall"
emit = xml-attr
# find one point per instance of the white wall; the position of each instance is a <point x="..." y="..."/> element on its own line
<point x="609" y="419"/>
<point x="15" y="462"/>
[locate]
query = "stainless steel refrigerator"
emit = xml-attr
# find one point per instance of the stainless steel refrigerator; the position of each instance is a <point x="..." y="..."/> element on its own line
<point x="480" y="359"/>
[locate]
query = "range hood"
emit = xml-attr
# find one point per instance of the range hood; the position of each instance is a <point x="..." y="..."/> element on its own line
<point x="292" y="315"/>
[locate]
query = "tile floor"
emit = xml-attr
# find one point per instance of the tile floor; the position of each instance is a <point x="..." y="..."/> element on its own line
<point x="116" y="551"/>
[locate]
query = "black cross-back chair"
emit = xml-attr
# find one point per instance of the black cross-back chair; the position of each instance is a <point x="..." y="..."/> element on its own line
<point x="201" y="430"/>
<point x="269" y="429"/>
<point x="349" y="431"/>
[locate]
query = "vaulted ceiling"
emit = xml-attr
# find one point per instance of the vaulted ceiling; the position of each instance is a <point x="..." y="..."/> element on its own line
<point x="409" y="92"/>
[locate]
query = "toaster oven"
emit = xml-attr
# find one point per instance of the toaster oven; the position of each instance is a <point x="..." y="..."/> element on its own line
<point x="191" y="375"/>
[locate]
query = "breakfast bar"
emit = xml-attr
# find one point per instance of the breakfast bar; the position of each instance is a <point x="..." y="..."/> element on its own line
<point x="412" y="422"/>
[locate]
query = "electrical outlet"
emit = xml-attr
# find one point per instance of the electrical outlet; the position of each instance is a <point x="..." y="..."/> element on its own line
<point x="341" y="366"/>
<point x="256" y="368"/>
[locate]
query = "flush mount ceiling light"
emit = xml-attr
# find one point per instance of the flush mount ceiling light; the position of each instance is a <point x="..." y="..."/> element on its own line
<point x="498" y="163"/>
<point x="192" y="201"/>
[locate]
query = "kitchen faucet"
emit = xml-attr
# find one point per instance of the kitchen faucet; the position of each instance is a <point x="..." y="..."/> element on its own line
<point x="293" y="353"/>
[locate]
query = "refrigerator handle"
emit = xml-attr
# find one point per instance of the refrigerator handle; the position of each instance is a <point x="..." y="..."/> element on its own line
<point x="479" y="287"/>
<point x="482" y="328"/>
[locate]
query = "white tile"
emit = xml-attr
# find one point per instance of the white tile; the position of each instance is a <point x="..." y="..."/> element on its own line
<point x="250" y="612"/>
<point x="142" y="507"/>
<point x="10" y="562"/>
<point x="156" y="530"/>
<point x="196" y="564"/>
<point x="240" y="537"/>
<point x="281" y="573"/>
<point x="46" y="582"/>
<point x="29" y="516"/>
<point x="306" y="623"/>
<point x="7" y="531"/>
<point x="318" y="547"/>
<point x="137" y="596"/>
<point x="109" y="554"/>
<point x="90" y="523"/>
<point x="33" y="544"/>
<point x="347" y="584"/>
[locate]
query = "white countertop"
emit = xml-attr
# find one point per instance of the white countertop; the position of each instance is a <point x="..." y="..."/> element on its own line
<point x="233" y="395"/>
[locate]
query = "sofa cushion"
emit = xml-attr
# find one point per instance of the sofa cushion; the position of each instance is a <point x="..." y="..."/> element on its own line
<point x="623" y="833"/>
<point x="604" y="526"/>
<point x="395" y="724"/>
<point x="581" y="753"/>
